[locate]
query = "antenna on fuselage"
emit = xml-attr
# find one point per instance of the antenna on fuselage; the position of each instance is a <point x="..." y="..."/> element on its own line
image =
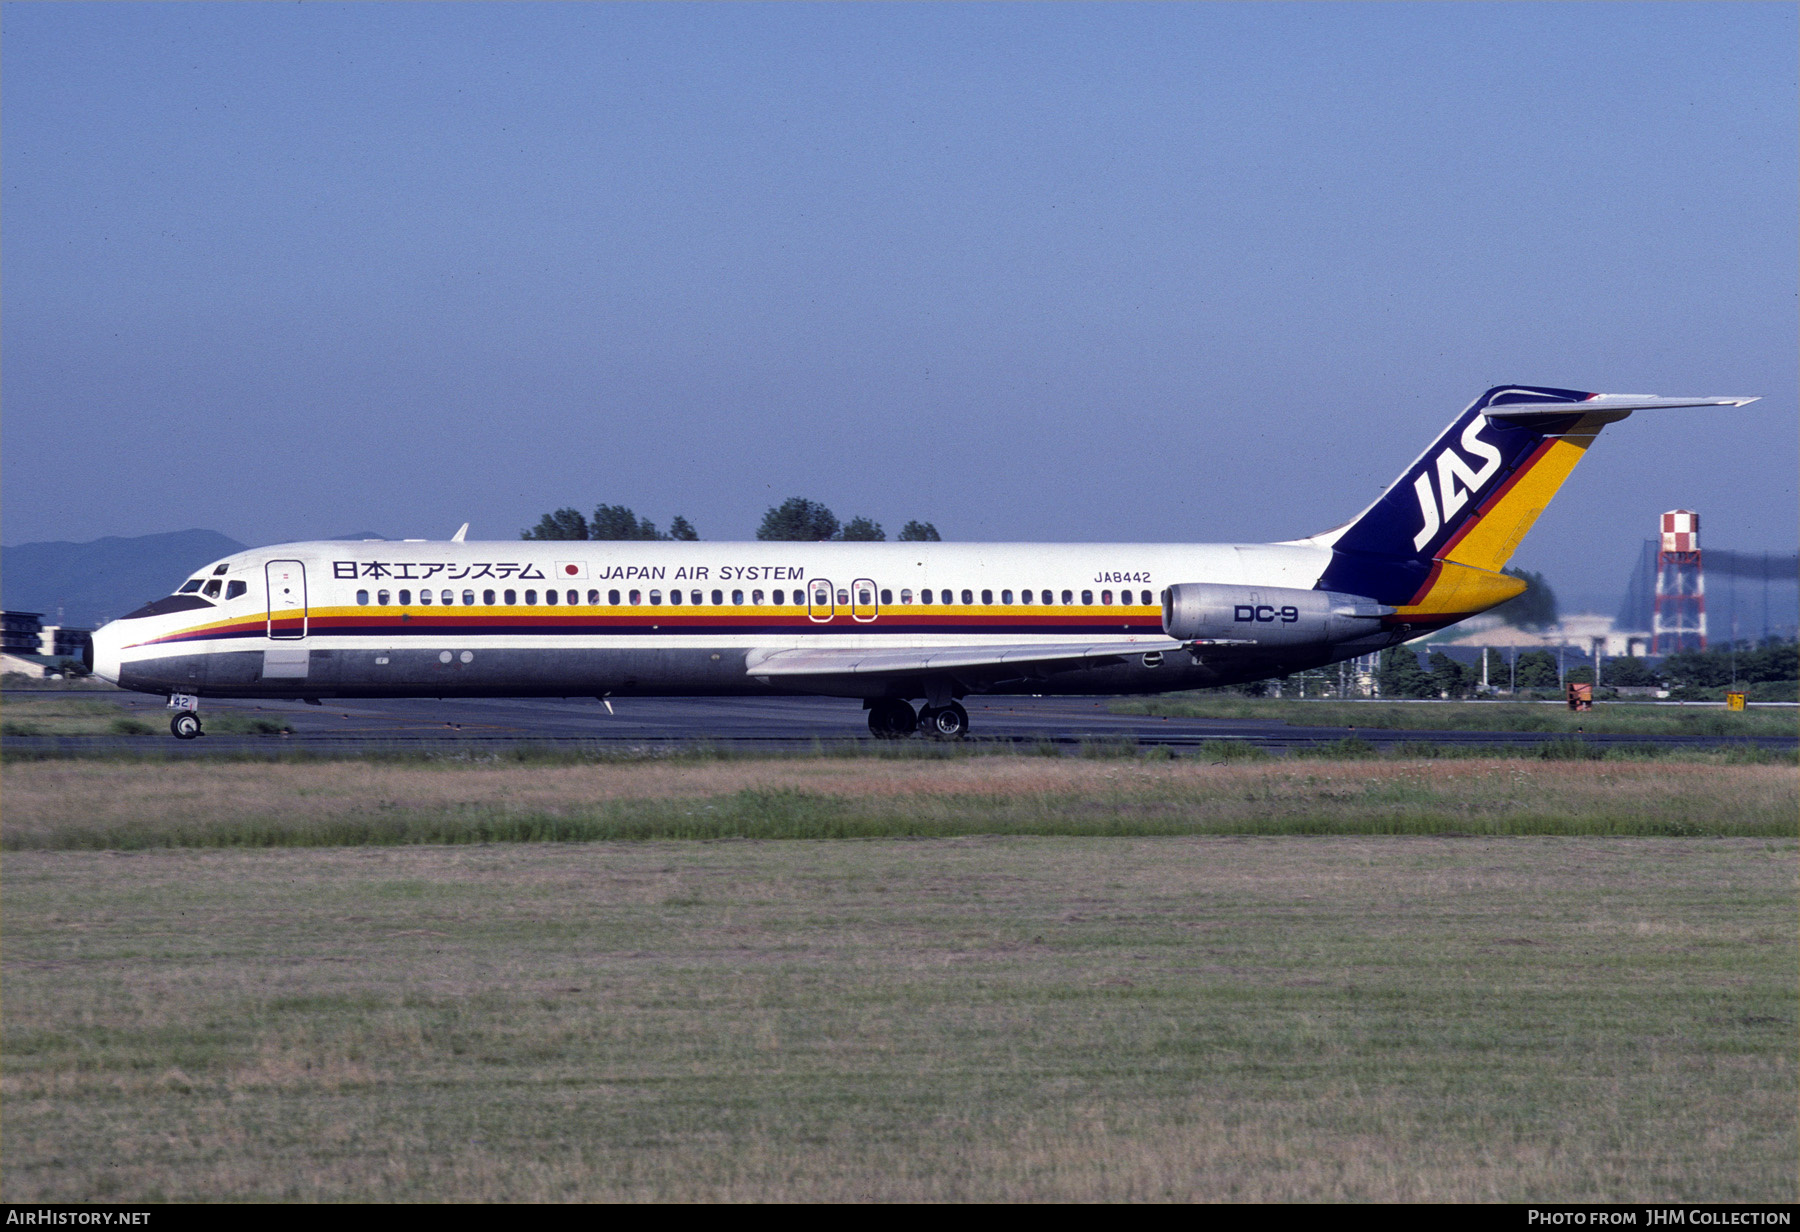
<point x="458" y="536"/>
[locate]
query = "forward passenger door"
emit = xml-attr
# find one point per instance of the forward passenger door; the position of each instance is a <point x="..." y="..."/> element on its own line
<point x="287" y="598"/>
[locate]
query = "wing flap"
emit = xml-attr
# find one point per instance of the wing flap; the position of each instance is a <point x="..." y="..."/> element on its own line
<point x="922" y="659"/>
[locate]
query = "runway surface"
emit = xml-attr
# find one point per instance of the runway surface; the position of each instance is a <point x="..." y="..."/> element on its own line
<point x="744" y="724"/>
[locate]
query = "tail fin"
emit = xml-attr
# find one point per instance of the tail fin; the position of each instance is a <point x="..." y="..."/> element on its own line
<point x="1434" y="543"/>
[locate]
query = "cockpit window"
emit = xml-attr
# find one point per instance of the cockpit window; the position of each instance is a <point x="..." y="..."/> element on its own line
<point x="218" y="569"/>
<point x="188" y="588"/>
<point x="234" y="589"/>
<point x="212" y="589"/>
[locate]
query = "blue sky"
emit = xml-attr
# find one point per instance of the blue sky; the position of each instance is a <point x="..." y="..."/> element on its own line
<point x="1171" y="272"/>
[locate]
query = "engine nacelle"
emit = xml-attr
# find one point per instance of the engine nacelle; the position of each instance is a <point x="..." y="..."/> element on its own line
<point x="1268" y="615"/>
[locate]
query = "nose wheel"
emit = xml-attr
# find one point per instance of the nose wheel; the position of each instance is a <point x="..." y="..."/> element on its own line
<point x="185" y="725"/>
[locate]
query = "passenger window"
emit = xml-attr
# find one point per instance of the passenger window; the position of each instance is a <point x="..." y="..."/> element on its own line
<point x="843" y="598"/>
<point x="737" y="598"/>
<point x="531" y="597"/>
<point x="572" y="598"/>
<point x="1024" y="596"/>
<point x="656" y="598"/>
<point x="424" y="596"/>
<point x="1145" y="598"/>
<point x="968" y="598"/>
<point x="362" y="596"/>
<point x="1087" y="598"/>
<point x="1006" y="596"/>
<point x="719" y="597"/>
<point x="549" y="597"/>
<point x="1106" y="597"/>
<point x="512" y="597"/>
<point x="189" y="588"/>
<point x="780" y="600"/>
<point x="905" y="596"/>
<point x="593" y="598"/>
<point x="756" y="597"/>
<point x="987" y="598"/>
<point x="637" y="597"/>
<point x="447" y="597"/>
<point x="406" y="598"/>
<point x="487" y="597"/>
<point x="234" y="589"/>
<point x="924" y="596"/>
<point x="612" y="597"/>
<point x="468" y="598"/>
<point x="382" y="597"/>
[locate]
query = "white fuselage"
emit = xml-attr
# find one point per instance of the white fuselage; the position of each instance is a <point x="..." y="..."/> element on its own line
<point x="380" y="617"/>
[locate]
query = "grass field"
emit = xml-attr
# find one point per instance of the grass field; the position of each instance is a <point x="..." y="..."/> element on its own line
<point x="1546" y="1019"/>
<point x="64" y="804"/>
<point x="1606" y="718"/>
<point x="52" y="713"/>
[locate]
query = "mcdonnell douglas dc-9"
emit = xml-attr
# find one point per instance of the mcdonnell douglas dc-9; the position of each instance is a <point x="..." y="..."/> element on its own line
<point x="888" y="623"/>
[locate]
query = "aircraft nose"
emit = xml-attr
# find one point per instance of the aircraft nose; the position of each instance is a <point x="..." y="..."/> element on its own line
<point x="102" y="654"/>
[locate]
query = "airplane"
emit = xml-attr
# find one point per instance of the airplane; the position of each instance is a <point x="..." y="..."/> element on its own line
<point x="887" y="623"/>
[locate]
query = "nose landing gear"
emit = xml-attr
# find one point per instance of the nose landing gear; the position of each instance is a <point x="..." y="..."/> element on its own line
<point x="185" y="724"/>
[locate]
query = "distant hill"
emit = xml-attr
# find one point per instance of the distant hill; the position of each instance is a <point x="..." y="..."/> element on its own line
<point x="104" y="579"/>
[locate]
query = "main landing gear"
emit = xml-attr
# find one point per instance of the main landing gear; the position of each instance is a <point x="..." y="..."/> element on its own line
<point x="948" y="722"/>
<point x="892" y="719"/>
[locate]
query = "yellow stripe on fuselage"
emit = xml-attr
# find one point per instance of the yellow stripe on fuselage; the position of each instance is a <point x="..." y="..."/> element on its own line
<point x="1458" y="591"/>
<point x="645" y="614"/>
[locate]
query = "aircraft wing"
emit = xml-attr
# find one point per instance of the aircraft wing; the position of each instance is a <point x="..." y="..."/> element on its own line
<point x="922" y="659"/>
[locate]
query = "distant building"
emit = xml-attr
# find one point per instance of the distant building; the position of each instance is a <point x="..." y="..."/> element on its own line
<point x="21" y="631"/>
<point x="37" y="649"/>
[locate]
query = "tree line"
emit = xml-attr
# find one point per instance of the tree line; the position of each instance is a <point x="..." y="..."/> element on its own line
<point x="795" y="520"/>
<point x="1772" y="662"/>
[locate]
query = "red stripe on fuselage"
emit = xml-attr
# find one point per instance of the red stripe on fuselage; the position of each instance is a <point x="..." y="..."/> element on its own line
<point x="476" y="626"/>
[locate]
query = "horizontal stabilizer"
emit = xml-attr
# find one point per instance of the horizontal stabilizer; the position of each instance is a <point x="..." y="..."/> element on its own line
<point x="844" y="662"/>
<point x="1625" y="403"/>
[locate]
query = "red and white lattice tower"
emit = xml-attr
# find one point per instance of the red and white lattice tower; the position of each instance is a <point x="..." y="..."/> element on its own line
<point x="1679" y="622"/>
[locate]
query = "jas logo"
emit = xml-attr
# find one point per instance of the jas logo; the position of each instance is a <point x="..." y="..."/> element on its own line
<point x="1452" y="467"/>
